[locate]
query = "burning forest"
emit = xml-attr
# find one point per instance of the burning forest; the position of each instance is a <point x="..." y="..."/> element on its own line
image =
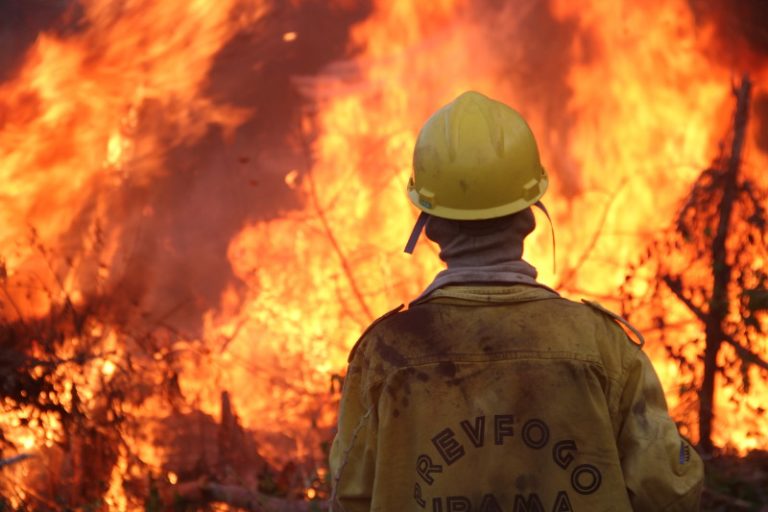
<point x="203" y="208"/>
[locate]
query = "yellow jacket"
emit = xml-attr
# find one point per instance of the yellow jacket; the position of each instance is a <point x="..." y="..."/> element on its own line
<point x="506" y="398"/>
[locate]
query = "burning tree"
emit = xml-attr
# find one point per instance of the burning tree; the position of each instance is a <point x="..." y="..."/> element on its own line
<point x="87" y="403"/>
<point x="713" y="263"/>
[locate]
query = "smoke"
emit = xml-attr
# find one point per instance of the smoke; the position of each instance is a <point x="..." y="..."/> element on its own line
<point x="217" y="186"/>
<point x="741" y="44"/>
<point x="22" y="21"/>
<point x="741" y="29"/>
<point x="176" y="227"/>
<point x="535" y="51"/>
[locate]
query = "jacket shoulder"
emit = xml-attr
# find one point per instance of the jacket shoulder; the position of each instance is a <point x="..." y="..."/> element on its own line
<point x="639" y="340"/>
<point x="383" y="317"/>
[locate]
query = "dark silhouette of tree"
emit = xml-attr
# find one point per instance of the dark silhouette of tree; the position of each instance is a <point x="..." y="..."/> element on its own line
<point x="713" y="261"/>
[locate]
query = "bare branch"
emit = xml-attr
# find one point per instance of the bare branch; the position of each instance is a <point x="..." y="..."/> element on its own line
<point x="571" y="272"/>
<point x="13" y="460"/>
<point x="676" y="287"/>
<point x="345" y="266"/>
<point x="746" y="354"/>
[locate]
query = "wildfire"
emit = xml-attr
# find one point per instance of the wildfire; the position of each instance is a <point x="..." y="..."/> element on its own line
<point x="626" y="100"/>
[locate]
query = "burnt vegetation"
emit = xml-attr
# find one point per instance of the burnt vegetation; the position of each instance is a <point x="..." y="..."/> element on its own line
<point x="44" y="362"/>
<point x="78" y="381"/>
<point x="709" y="269"/>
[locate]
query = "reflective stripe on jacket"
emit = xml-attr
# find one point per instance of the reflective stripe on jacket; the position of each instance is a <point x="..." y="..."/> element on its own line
<point x="506" y="398"/>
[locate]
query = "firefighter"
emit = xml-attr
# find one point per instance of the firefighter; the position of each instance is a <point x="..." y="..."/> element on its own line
<point x="490" y="392"/>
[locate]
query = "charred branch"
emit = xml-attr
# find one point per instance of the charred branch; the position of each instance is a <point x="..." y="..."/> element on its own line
<point x="757" y="299"/>
<point x="745" y="354"/>
<point x="721" y="269"/>
<point x="758" y="218"/>
<point x="676" y="287"/>
<point x="13" y="460"/>
<point x="321" y="214"/>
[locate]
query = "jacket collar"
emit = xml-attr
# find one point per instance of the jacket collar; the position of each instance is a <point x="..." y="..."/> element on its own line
<point x="506" y="293"/>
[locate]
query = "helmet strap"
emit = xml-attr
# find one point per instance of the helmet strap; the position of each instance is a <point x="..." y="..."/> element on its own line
<point x="421" y="223"/>
<point x="540" y="206"/>
<point x="423" y="218"/>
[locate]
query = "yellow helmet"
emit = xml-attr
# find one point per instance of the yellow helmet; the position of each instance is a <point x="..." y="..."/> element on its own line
<point x="476" y="158"/>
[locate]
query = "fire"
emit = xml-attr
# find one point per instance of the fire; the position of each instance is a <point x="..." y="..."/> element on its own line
<point x="70" y="118"/>
<point x="87" y="116"/>
<point x="625" y="147"/>
<point x="640" y="92"/>
<point x="626" y="100"/>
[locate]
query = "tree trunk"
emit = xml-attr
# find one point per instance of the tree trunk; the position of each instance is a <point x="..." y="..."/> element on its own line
<point x="721" y="270"/>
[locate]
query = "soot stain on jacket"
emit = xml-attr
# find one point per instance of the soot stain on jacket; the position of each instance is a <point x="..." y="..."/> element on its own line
<point x="419" y="328"/>
<point x="417" y="322"/>
<point x="639" y="412"/>
<point x="390" y="354"/>
<point x="447" y="369"/>
<point x="489" y="341"/>
<point x="398" y="386"/>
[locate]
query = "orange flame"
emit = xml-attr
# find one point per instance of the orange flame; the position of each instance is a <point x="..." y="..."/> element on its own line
<point x="646" y="108"/>
<point x="624" y="127"/>
<point x="70" y="117"/>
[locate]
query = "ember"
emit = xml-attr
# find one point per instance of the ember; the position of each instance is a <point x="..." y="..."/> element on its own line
<point x="203" y="207"/>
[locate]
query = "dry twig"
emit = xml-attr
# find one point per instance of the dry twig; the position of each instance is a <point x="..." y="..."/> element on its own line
<point x="13" y="460"/>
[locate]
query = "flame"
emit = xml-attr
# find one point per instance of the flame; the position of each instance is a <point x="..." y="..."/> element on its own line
<point x="647" y="105"/>
<point x="645" y="112"/>
<point x="89" y="114"/>
<point x="624" y="126"/>
<point x="647" y="120"/>
<point x="71" y="117"/>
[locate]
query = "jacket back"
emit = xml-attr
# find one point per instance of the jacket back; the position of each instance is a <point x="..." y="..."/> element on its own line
<point x="493" y="398"/>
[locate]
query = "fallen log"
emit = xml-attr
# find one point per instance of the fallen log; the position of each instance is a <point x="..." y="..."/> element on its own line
<point x="257" y="502"/>
<point x="203" y="491"/>
<point x="729" y="501"/>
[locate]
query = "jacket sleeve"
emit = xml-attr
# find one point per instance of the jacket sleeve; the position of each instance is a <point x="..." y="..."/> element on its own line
<point x="661" y="470"/>
<point x="353" y="453"/>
